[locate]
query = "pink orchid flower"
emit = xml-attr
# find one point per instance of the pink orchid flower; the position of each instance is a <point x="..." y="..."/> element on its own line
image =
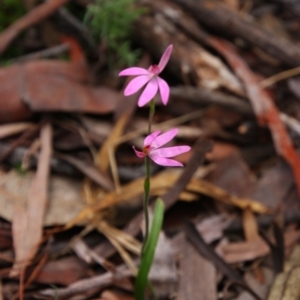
<point x="151" y="78"/>
<point x="152" y="144"/>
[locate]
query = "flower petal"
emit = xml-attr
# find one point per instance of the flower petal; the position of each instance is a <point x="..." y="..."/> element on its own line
<point x="165" y="58"/>
<point x="164" y="138"/>
<point x="133" y="71"/>
<point x="170" y="151"/>
<point x="164" y="90"/>
<point x="135" y="84"/>
<point x="149" y="92"/>
<point x="166" y="162"/>
<point x="149" y="139"/>
<point x="138" y="153"/>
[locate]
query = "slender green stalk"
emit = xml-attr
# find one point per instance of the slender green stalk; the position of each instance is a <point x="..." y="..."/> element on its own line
<point x="146" y="200"/>
<point x="147" y="256"/>
<point x="151" y="113"/>
<point x="147" y="179"/>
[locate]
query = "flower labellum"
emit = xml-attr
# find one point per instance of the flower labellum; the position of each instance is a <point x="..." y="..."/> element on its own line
<point x="151" y="78"/>
<point x="152" y="144"/>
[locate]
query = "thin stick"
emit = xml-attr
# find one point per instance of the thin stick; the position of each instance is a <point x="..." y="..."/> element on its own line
<point x="280" y="76"/>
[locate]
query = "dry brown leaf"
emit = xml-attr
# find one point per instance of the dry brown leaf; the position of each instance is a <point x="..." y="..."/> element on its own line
<point x="90" y="170"/>
<point x="192" y="267"/>
<point x="211" y="229"/>
<point x="63" y="271"/>
<point x="206" y="188"/>
<point x="250" y="226"/>
<point x="97" y="282"/>
<point x="163" y="181"/>
<point x="65" y="94"/>
<point x="128" y="192"/>
<point x="243" y="251"/>
<point x="50" y="86"/>
<point x="102" y="159"/>
<point x="221" y="151"/>
<point x="65" y="200"/>
<point x="95" y="195"/>
<point x="27" y="224"/>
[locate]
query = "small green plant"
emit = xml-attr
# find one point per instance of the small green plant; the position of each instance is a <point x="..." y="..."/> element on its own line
<point x="55" y="288"/>
<point x="10" y="11"/>
<point x="111" y="22"/>
<point x="18" y="168"/>
<point x="148" y="252"/>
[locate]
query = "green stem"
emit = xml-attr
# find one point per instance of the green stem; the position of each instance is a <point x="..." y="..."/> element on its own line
<point x="151" y="113"/>
<point x="147" y="180"/>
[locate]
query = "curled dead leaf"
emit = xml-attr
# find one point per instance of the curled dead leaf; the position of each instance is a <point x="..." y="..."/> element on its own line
<point x="48" y="85"/>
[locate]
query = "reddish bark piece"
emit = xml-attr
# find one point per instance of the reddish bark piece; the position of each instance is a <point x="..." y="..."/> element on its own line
<point x="34" y="16"/>
<point x="263" y="106"/>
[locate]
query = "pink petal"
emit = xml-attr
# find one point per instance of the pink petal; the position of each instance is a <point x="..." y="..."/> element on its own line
<point x="164" y="90"/>
<point x="138" y="153"/>
<point x="149" y="92"/>
<point x="170" y="151"/>
<point x="135" y="84"/>
<point x="165" y="58"/>
<point x="149" y="139"/>
<point x="164" y="138"/>
<point x="166" y="162"/>
<point x="133" y="71"/>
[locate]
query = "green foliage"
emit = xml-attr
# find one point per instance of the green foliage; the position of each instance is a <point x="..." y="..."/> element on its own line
<point x="55" y="288"/>
<point x="10" y="11"/>
<point x="110" y="22"/>
<point x="18" y="168"/>
<point x="141" y="280"/>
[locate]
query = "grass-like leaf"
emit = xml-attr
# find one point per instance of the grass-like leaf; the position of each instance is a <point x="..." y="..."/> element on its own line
<point x="149" y="251"/>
